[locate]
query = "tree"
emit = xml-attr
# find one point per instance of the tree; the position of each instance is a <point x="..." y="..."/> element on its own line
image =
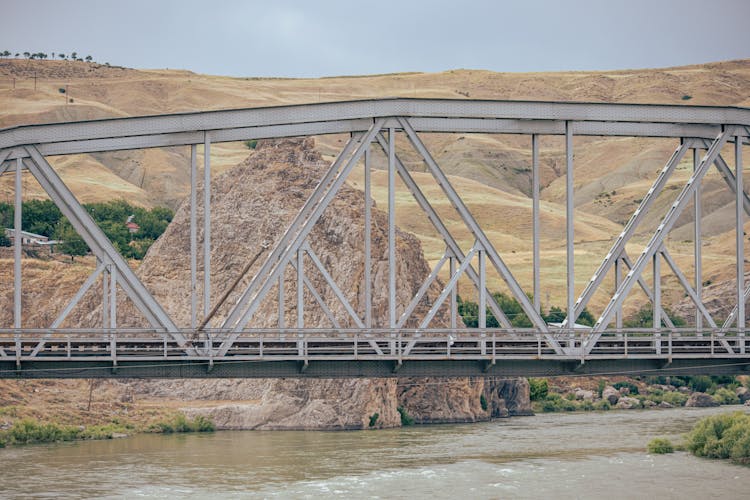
<point x="89" y="58"/>
<point x="27" y="54"/>
<point x="61" y="55"/>
<point x="71" y="242"/>
<point x="74" y="55"/>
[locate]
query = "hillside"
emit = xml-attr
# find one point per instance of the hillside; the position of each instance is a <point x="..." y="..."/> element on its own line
<point x="491" y="172"/>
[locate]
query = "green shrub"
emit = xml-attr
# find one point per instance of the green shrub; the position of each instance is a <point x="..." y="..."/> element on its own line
<point x="406" y="419"/>
<point x="28" y="431"/>
<point x="660" y="446"/>
<point x="180" y="423"/>
<point x="374" y="419"/>
<point x="675" y="398"/>
<point x="725" y="396"/>
<point x="631" y="386"/>
<point x="721" y="436"/>
<point x="538" y="389"/>
<point x="700" y="383"/>
<point x="602" y="405"/>
<point x="251" y="144"/>
<point x="483" y="402"/>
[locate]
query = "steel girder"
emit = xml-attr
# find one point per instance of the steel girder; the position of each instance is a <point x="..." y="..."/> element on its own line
<point x="656" y="242"/>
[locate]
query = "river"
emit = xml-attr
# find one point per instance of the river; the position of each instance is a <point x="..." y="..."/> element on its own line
<point x="571" y="455"/>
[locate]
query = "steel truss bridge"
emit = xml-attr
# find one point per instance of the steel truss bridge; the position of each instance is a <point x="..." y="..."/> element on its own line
<point x="234" y="347"/>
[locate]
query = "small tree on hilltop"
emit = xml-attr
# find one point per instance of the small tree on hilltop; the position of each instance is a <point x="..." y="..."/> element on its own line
<point x="74" y="55"/>
<point x="89" y="58"/>
<point x="61" y="55"/>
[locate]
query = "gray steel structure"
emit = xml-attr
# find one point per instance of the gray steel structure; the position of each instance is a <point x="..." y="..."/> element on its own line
<point x="168" y="349"/>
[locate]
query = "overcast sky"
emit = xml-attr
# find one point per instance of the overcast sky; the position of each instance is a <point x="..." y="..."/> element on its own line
<point x="319" y="38"/>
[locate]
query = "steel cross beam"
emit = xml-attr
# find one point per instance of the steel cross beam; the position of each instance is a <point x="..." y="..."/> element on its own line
<point x="475" y="229"/>
<point x="618" y="246"/>
<point x="320" y="199"/>
<point x="100" y="245"/>
<point x="299" y="220"/>
<point x="441" y="228"/>
<point x="658" y="237"/>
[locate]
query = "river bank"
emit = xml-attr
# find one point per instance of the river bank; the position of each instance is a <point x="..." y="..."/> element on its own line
<point x="569" y="455"/>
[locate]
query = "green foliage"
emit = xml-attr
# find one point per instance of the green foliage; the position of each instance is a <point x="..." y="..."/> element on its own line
<point x="538" y="389"/>
<point x="27" y="431"/>
<point x="374" y="419"/>
<point x="4" y="240"/>
<point x="631" y="386"/>
<point x="406" y="419"/>
<point x="644" y="318"/>
<point x="251" y="144"/>
<point x="469" y="312"/>
<point x="660" y="446"/>
<point x="674" y="398"/>
<point x="701" y="383"/>
<point x="721" y="436"/>
<point x="686" y="97"/>
<point x="602" y="405"/>
<point x="180" y="423"/>
<point x="725" y="396"/>
<point x="483" y="402"/>
<point x="43" y="217"/>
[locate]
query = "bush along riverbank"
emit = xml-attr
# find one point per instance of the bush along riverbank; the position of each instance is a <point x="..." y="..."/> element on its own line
<point x="571" y="394"/>
<point x="29" y="431"/>
<point x="725" y="436"/>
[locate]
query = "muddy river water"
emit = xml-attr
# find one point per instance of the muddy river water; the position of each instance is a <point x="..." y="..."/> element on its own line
<point x="571" y="455"/>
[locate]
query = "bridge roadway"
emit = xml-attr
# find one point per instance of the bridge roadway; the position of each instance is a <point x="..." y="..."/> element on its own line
<point x="368" y="353"/>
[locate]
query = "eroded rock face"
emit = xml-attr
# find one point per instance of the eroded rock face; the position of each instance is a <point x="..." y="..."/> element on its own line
<point x="253" y="204"/>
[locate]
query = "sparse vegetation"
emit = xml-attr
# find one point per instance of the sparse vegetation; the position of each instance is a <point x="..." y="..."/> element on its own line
<point x="483" y="402"/>
<point x="538" y="389"/>
<point x="30" y="431"/>
<point x="251" y="144"/>
<point x="660" y="446"/>
<point x="724" y="436"/>
<point x="469" y="312"/>
<point x="373" y="419"/>
<point x="406" y="419"/>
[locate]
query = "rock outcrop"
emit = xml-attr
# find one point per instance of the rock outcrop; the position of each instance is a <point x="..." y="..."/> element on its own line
<point x="701" y="400"/>
<point x="252" y="205"/>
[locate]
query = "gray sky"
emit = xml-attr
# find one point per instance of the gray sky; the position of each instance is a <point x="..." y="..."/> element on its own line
<point x="331" y="37"/>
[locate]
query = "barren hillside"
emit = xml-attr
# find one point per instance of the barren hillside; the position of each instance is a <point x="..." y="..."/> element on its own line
<point x="491" y="172"/>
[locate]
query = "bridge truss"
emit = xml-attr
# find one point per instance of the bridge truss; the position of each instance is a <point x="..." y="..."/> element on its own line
<point x="237" y="348"/>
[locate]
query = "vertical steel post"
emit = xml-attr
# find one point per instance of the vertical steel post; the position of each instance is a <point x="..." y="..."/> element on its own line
<point x="282" y="306"/>
<point x="193" y="235"/>
<point x="17" y="242"/>
<point x="454" y="292"/>
<point x="657" y="301"/>
<point x="300" y="289"/>
<point x="482" y="289"/>
<point x="392" y="228"/>
<point x="105" y="297"/>
<point x="535" y="218"/>
<point x="206" y="225"/>
<point x="569" y="224"/>
<point x="112" y="297"/>
<point x="740" y="234"/>
<point x="368" y="242"/>
<point x="618" y="279"/>
<point x="697" y="235"/>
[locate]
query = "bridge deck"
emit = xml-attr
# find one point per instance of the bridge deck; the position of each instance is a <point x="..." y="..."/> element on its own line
<point x="257" y="353"/>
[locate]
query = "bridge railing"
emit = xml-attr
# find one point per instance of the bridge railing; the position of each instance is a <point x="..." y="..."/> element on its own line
<point x="368" y="344"/>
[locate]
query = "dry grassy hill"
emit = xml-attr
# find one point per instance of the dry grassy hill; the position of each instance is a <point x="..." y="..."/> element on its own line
<point x="491" y="172"/>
